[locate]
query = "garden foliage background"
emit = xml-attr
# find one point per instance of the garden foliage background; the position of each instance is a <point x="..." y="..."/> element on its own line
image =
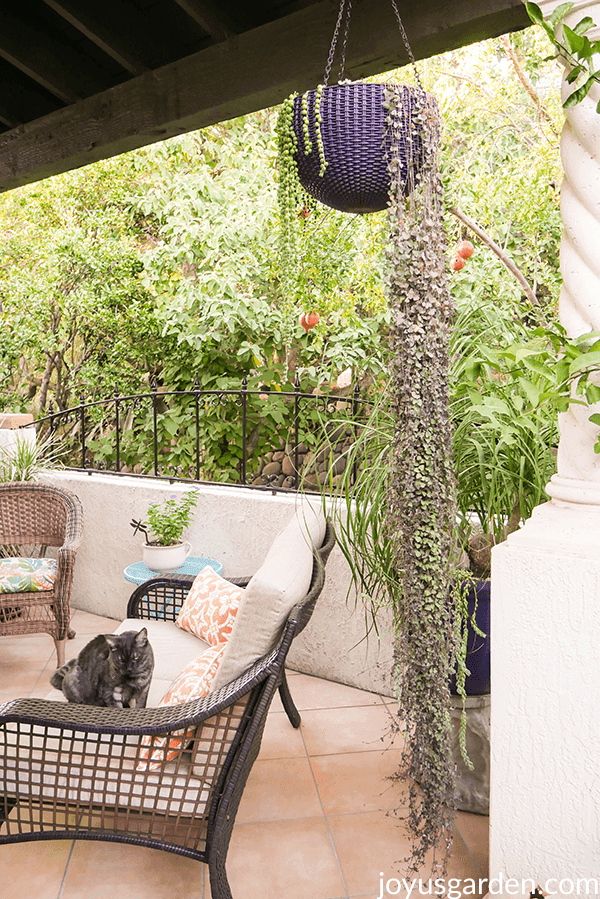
<point x="162" y="265"/>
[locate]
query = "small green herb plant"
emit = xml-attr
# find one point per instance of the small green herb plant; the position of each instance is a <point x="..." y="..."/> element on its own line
<point x="167" y="521"/>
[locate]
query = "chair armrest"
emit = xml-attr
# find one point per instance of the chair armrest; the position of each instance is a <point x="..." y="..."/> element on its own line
<point x="48" y="714"/>
<point x="74" y="529"/>
<point x="71" y="544"/>
<point x="239" y="581"/>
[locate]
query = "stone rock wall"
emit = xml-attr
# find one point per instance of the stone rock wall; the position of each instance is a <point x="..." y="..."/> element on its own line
<point x="315" y="469"/>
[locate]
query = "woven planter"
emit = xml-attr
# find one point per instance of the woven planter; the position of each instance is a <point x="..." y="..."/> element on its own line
<point x="356" y="144"/>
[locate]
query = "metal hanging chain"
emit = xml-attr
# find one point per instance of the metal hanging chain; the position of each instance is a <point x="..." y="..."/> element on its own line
<point x="345" y="41"/>
<point x="336" y="33"/>
<point x="406" y="44"/>
<point x="334" y="43"/>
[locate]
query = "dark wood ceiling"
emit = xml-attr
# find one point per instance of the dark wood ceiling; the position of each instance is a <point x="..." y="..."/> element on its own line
<point x="82" y="80"/>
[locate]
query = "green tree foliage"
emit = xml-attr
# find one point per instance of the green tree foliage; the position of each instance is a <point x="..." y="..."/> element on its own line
<point x="212" y="265"/>
<point x="502" y="119"/>
<point x="209" y="199"/>
<point x="164" y="263"/>
<point x="214" y="270"/>
<point x="75" y="313"/>
<point x="501" y="107"/>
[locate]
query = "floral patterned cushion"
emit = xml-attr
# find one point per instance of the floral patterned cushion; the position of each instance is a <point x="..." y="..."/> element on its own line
<point x="27" y="575"/>
<point x="210" y="607"/>
<point x="194" y="682"/>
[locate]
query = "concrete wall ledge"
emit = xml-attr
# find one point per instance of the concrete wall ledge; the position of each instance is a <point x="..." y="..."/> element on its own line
<point x="236" y="526"/>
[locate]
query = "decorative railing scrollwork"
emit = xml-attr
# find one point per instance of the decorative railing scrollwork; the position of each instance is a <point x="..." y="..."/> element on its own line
<point x="103" y="435"/>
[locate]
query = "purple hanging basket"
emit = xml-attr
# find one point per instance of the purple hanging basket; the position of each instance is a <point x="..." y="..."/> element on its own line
<point x="356" y="145"/>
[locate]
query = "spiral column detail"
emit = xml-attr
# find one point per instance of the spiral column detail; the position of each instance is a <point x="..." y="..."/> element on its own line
<point x="578" y="477"/>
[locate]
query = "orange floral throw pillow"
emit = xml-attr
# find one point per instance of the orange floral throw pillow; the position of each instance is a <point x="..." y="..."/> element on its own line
<point x="194" y="682"/>
<point x="210" y="607"/>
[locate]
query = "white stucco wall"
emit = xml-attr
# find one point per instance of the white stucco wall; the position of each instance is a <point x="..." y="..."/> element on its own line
<point x="545" y="627"/>
<point x="10" y="437"/>
<point x="235" y="526"/>
<point x="545" y="750"/>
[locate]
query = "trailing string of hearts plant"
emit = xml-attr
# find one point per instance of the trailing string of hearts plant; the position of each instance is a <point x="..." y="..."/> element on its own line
<point x="422" y="497"/>
<point x="364" y="147"/>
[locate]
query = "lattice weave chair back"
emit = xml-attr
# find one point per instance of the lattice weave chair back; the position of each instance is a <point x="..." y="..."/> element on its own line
<point x="35" y="593"/>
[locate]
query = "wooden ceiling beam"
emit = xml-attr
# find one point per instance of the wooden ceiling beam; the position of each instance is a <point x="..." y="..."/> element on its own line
<point x="7" y="119"/>
<point x="97" y="32"/>
<point x="207" y="17"/>
<point x="250" y="71"/>
<point x="58" y="67"/>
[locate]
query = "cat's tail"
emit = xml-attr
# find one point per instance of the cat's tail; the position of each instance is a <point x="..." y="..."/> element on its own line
<point x="59" y="675"/>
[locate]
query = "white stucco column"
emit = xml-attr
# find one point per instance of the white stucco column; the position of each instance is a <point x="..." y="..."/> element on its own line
<point x="545" y="765"/>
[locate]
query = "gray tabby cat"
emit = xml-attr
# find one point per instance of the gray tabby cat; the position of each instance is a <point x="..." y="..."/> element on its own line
<point x="112" y="670"/>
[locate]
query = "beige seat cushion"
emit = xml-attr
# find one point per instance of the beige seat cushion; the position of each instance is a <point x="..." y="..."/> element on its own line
<point x="282" y="580"/>
<point x="173" y="647"/>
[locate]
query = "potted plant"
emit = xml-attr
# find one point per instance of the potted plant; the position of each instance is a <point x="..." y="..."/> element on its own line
<point x="413" y="538"/>
<point x="352" y="146"/>
<point x="504" y="433"/>
<point x="341" y="142"/>
<point x="399" y="529"/>
<point x="164" y="549"/>
<point x="334" y="146"/>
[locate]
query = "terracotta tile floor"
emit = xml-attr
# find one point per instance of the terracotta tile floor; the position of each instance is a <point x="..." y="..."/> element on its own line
<point x="314" y="822"/>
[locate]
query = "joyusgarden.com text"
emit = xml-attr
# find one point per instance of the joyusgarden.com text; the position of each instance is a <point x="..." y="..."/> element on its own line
<point x="456" y="887"/>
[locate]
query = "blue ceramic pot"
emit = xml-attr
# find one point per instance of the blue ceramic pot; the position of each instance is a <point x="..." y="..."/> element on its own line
<point x="478" y="682"/>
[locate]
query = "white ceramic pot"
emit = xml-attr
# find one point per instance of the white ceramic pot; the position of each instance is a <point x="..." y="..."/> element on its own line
<point x="166" y="558"/>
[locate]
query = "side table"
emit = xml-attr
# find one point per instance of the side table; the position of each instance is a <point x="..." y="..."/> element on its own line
<point x="138" y="572"/>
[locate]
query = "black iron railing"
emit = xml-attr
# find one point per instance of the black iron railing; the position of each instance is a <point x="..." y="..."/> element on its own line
<point x="104" y="435"/>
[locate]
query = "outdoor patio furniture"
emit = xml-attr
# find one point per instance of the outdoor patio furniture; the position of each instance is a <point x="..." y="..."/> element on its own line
<point x="34" y="517"/>
<point x="83" y="772"/>
<point x="170" y="590"/>
<point x="139" y="573"/>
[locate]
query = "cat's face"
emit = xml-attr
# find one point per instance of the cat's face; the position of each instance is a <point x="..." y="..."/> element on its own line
<point x="128" y="649"/>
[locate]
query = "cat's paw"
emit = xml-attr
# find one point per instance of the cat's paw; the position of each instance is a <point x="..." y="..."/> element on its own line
<point x="118" y="697"/>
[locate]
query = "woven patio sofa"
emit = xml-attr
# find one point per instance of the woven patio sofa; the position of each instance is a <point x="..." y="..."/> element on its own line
<point x="86" y="773"/>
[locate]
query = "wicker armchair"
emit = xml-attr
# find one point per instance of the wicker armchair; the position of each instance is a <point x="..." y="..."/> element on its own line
<point x="75" y="772"/>
<point x="33" y="517"/>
